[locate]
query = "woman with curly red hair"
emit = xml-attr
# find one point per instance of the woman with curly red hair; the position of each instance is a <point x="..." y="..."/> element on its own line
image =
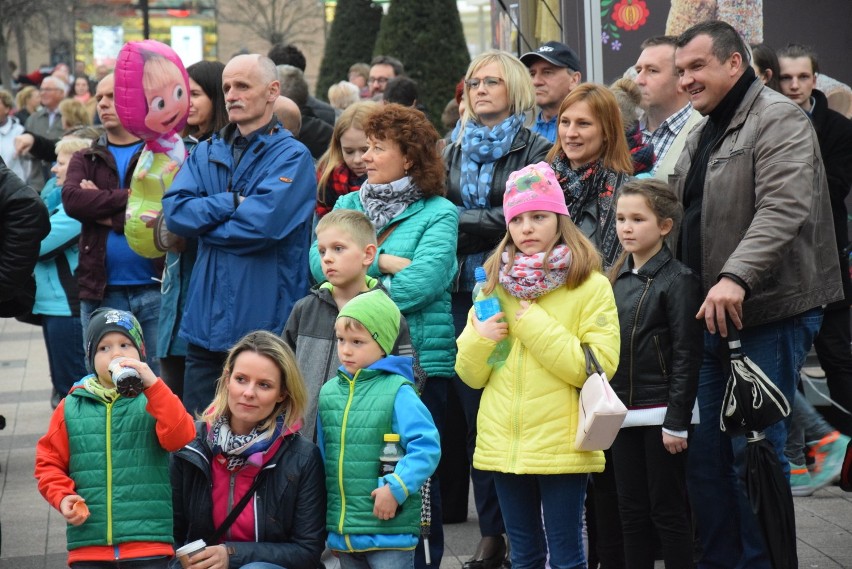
<point x="416" y="261"/>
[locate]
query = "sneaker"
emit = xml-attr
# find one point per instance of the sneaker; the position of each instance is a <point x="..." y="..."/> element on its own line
<point x="828" y="455"/>
<point x="800" y="480"/>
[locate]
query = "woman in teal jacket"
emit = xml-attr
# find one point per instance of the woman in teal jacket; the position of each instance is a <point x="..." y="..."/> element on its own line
<point x="416" y="261"/>
<point x="57" y="300"/>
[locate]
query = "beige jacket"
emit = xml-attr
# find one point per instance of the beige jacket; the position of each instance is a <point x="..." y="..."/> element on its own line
<point x="766" y="216"/>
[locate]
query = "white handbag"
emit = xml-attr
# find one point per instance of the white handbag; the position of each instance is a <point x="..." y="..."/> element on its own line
<point x="601" y="411"/>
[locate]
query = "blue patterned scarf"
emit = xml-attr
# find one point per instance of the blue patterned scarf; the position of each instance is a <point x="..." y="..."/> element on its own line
<point x="481" y="147"/>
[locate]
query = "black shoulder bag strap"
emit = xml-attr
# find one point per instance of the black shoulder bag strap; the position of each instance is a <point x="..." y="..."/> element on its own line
<point x="238" y="508"/>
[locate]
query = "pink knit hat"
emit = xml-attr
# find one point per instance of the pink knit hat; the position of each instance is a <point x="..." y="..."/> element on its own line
<point x="533" y="188"/>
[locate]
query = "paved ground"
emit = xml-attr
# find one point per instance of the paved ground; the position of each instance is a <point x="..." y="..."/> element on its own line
<point x="34" y="534"/>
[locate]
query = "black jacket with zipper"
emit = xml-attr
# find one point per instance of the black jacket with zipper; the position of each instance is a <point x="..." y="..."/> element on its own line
<point x="661" y="340"/>
<point x="482" y="229"/>
<point x="289" y="504"/>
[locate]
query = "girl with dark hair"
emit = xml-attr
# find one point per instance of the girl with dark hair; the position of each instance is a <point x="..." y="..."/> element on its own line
<point x="661" y="344"/>
<point x="207" y="115"/>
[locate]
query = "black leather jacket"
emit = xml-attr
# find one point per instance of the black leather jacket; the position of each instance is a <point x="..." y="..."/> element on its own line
<point x="289" y="504"/>
<point x="482" y="229"/>
<point x="24" y="222"/>
<point x="661" y="340"/>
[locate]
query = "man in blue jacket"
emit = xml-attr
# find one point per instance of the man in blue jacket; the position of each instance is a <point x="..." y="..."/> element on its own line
<point x="247" y="194"/>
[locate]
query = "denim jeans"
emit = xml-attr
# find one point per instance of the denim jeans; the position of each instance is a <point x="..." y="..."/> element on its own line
<point x="523" y="499"/>
<point x="201" y="372"/>
<point x="143" y="302"/>
<point x="382" y="559"/>
<point x="66" y="355"/>
<point x="807" y="426"/>
<point x="727" y="527"/>
<point x="146" y="563"/>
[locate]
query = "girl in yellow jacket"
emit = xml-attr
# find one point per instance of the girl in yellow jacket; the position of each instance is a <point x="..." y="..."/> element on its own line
<point x="547" y="277"/>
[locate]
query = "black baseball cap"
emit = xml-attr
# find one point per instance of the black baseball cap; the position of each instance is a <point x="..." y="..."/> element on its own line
<point x="556" y="53"/>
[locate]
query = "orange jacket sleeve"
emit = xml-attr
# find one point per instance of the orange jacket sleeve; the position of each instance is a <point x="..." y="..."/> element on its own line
<point x="175" y="427"/>
<point x="52" y="457"/>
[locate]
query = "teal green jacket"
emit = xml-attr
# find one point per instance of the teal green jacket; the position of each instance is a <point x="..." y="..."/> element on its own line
<point x="119" y="467"/>
<point x="426" y="234"/>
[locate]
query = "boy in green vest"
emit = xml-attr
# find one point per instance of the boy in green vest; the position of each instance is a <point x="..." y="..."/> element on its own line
<point x="373" y="522"/>
<point x="104" y="462"/>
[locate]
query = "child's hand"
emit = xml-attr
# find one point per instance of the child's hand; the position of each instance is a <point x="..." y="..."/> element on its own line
<point x="523" y="310"/>
<point x="148" y="377"/>
<point x="674" y="444"/>
<point x="73" y="508"/>
<point x="491" y="328"/>
<point x="385" y="504"/>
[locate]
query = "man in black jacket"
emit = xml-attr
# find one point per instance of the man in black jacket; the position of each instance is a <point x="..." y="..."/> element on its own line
<point x="799" y="70"/>
<point x="24" y="222"/>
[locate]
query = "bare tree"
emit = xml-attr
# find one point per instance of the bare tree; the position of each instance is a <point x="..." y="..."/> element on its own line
<point x="15" y="15"/>
<point x="277" y="21"/>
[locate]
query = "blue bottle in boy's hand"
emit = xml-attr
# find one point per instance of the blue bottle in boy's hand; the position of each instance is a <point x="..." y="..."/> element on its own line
<point x="485" y="307"/>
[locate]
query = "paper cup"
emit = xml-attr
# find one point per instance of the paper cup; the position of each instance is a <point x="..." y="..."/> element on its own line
<point x="185" y="553"/>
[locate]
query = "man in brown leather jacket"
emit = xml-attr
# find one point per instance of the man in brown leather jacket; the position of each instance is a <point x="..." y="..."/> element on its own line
<point x="758" y="229"/>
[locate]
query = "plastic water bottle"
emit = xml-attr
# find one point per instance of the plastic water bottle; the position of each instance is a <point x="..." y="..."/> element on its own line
<point x="485" y="307"/>
<point x="388" y="459"/>
<point x="391" y="454"/>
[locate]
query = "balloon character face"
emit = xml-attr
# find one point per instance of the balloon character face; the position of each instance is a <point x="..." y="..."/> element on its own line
<point x="151" y="92"/>
<point x="165" y="94"/>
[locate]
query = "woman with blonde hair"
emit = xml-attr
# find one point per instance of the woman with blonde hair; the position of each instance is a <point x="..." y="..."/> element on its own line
<point x="591" y="161"/>
<point x="74" y="114"/>
<point x="490" y="142"/>
<point x="342" y="170"/>
<point x="248" y="474"/>
<point x="27" y="102"/>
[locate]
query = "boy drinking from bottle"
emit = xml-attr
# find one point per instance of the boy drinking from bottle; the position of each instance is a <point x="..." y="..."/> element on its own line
<point x="373" y="395"/>
<point x="104" y="462"/>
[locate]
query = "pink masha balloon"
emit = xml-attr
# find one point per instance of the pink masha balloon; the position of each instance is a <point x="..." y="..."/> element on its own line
<point x="151" y="93"/>
<point x="152" y="102"/>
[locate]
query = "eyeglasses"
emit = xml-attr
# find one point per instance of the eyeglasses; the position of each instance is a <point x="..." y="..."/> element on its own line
<point x="490" y="82"/>
<point x="43" y="89"/>
<point x="380" y="80"/>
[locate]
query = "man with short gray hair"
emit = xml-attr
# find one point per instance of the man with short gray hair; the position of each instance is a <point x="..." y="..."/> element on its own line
<point x="248" y="196"/>
<point x="46" y="122"/>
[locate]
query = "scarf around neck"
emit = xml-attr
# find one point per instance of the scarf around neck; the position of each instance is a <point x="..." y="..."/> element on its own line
<point x="383" y="202"/>
<point x="590" y="189"/>
<point x="481" y="147"/>
<point x="342" y="181"/>
<point x="530" y="276"/>
<point x="239" y="449"/>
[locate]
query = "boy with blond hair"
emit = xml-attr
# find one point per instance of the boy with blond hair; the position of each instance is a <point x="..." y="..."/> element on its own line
<point x="347" y="246"/>
<point x="373" y="519"/>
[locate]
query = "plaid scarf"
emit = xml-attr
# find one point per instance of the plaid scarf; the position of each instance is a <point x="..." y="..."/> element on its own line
<point x="642" y="153"/>
<point x="342" y="181"/>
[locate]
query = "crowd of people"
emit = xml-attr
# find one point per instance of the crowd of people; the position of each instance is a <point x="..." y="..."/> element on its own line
<point x="314" y="308"/>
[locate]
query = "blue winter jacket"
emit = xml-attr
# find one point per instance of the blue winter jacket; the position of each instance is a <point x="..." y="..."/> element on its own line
<point x="252" y="263"/>
<point x="56" y="283"/>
